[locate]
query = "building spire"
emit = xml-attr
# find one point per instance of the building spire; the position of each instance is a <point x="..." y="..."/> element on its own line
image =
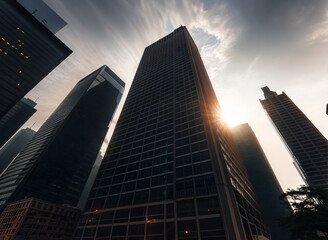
<point x="268" y="93"/>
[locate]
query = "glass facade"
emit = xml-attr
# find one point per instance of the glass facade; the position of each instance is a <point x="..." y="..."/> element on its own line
<point x="263" y="179"/>
<point x="15" y="118"/>
<point x="14" y="146"/>
<point x="28" y="52"/>
<point x="56" y="163"/>
<point x="159" y="176"/>
<point x="307" y="145"/>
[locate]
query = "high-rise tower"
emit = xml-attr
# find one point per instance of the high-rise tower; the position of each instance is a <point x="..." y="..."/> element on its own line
<point x="14" y="146"/>
<point x="172" y="170"/>
<point x="263" y="179"/>
<point x="15" y="118"/>
<point x="307" y="145"/>
<point x="28" y="52"/>
<point x="56" y="163"/>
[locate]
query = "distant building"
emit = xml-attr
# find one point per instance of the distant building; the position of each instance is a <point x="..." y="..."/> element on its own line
<point x="263" y="179"/>
<point x="28" y="53"/>
<point x="307" y="145"/>
<point x="172" y="169"/>
<point x="56" y="163"/>
<point x="34" y="219"/>
<point x="15" y="118"/>
<point x="14" y="146"/>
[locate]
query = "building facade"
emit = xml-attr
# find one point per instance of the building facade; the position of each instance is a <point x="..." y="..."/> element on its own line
<point x="263" y="179"/>
<point x="14" y="146"/>
<point x="15" y="118"/>
<point x="28" y="52"/>
<point x="305" y="142"/>
<point x="56" y="163"/>
<point x="172" y="170"/>
<point x="34" y="219"/>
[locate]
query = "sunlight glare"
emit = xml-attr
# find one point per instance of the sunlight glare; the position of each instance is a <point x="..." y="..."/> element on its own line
<point x="233" y="114"/>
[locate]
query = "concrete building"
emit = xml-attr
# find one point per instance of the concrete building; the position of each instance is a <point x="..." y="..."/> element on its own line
<point x="172" y="169"/>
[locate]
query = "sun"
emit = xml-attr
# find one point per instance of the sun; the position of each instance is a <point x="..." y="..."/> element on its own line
<point x="233" y="115"/>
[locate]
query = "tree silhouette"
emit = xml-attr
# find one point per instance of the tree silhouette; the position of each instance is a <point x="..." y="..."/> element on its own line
<point x="309" y="221"/>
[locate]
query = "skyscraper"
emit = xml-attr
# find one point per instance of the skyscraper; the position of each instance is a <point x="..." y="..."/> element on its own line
<point x="15" y="118"/>
<point x="263" y="179"/>
<point x="307" y="145"/>
<point x="56" y="163"/>
<point x="172" y="170"/>
<point x="14" y="146"/>
<point x="28" y="52"/>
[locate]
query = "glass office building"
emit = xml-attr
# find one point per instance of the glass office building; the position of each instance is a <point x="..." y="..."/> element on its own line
<point x="14" y="146"/>
<point x="172" y="170"/>
<point x="56" y="163"/>
<point x="15" y="118"/>
<point x="307" y="145"/>
<point x="263" y="179"/>
<point x="28" y="52"/>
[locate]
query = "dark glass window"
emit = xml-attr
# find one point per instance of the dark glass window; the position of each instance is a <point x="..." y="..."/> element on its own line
<point x="183" y="160"/>
<point x="138" y="229"/>
<point x="119" y="231"/>
<point x="205" y="185"/>
<point x="138" y="214"/>
<point x="111" y="201"/>
<point x="187" y="230"/>
<point x="144" y="183"/>
<point x="184" y="172"/>
<point x="208" y="206"/>
<point x="126" y="199"/>
<point x="185" y="188"/>
<point x="106" y="217"/>
<point x="186" y="208"/>
<point x="155" y="228"/>
<point x="129" y="186"/>
<point x="131" y="176"/>
<point x="103" y="231"/>
<point x="212" y="227"/>
<point x="122" y="215"/>
<point x="141" y="197"/>
<point x="145" y="173"/>
<point x="202" y="167"/>
<point x="157" y="194"/>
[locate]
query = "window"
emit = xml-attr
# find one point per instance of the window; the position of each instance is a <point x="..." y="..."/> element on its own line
<point x="138" y="214"/>
<point x="141" y="197"/>
<point x="187" y="230"/>
<point x="138" y="229"/>
<point x="106" y="217"/>
<point x="186" y="208"/>
<point x="208" y="206"/>
<point x="126" y="199"/>
<point x="184" y="171"/>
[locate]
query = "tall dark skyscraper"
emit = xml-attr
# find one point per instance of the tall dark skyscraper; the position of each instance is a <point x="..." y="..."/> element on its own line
<point x="15" y="118"/>
<point x="56" y="163"/>
<point x="14" y="146"/>
<point x="263" y="179"/>
<point x="172" y="169"/>
<point x="307" y="145"/>
<point x="28" y="52"/>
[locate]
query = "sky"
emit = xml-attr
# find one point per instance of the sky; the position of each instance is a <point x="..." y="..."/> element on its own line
<point x="244" y="44"/>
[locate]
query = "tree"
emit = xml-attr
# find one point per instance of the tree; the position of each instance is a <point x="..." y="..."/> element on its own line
<point x="309" y="221"/>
